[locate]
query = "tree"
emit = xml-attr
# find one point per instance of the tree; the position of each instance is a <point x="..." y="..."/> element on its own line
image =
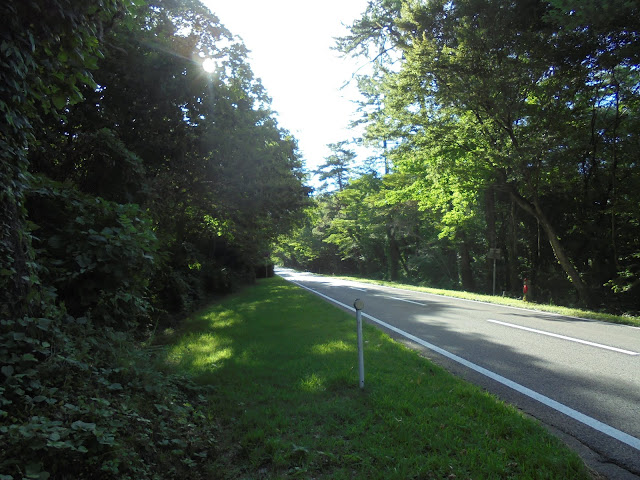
<point x="165" y="185"/>
<point x="201" y="152"/>
<point x="45" y="64"/>
<point x="337" y="165"/>
<point x="510" y="74"/>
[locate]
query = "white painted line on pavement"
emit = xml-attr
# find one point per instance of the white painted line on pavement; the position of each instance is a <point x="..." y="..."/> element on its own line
<point x="559" y="407"/>
<point x="356" y="288"/>
<point x="564" y="337"/>
<point x="408" y="301"/>
<point x="440" y="296"/>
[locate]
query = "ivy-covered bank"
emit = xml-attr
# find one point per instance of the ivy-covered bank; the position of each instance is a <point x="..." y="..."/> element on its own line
<point x="133" y="186"/>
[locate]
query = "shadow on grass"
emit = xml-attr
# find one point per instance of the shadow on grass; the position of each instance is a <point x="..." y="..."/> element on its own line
<point x="284" y="365"/>
<point x="608" y="395"/>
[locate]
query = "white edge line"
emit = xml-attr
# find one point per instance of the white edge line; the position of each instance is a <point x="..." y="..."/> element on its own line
<point x="564" y="337"/>
<point x="568" y="411"/>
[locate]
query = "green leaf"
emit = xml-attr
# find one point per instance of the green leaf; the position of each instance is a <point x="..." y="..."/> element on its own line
<point x="59" y="102"/>
<point x="55" y="241"/>
<point x="34" y="471"/>
<point x="43" y="323"/>
<point x="80" y="425"/>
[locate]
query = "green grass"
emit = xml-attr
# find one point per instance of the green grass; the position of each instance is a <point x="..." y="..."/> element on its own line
<point x="513" y="302"/>
<point x="286" y="402"/>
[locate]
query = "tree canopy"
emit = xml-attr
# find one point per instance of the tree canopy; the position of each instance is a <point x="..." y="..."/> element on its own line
<point x="512" y="125"/>
<point x="134" y="186"/>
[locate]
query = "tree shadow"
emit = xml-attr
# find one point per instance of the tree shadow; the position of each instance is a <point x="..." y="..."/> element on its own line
<point x="323" y="368"/>
<point x="592" y="395"/>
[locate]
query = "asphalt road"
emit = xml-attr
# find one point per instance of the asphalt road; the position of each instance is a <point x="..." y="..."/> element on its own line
<point x="579" y="377"/>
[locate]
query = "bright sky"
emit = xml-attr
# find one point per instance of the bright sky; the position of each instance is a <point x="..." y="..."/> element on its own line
<point x="290" y="43"/>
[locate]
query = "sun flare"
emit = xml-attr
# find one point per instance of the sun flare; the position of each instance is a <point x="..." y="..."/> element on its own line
<point x="209" y="65"/>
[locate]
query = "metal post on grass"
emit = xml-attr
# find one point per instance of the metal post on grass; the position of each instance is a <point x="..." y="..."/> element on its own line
<point x="359" y="305"/>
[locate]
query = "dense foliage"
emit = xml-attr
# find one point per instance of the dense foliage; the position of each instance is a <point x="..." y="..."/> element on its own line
<point x="509" y="125"/>
<point x="134" y="185"/>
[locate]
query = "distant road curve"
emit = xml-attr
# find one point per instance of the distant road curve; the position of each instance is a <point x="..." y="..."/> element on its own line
<point x="580" y="377"/>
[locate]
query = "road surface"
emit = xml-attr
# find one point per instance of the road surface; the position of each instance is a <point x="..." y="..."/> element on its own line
<point x="579" y="377"/>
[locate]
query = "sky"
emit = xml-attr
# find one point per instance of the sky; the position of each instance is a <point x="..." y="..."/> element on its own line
<point x="290" y="51"/>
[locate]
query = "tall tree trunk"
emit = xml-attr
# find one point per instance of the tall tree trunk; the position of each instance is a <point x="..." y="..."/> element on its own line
<point x="466" y="274"/>
<point x="394" y="254"/>
<point x="558" y="250"/>
<point x="490" y="217"/>
<point x="513" y="252"/>
<point x="405" y="267"/>
<point x="14" y="239"/>
<point x="612" y="181"/>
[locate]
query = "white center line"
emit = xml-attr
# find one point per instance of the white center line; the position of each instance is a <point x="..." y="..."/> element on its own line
<point x="405" y="300"/>
<point x="570" y="339"/>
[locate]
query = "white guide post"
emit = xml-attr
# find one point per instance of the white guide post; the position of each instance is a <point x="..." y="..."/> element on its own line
<point x="359" y="305"/>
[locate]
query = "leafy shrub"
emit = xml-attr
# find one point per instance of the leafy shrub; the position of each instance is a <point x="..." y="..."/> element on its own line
<point x="97" y="254"/>
<point x="195" y="273"/>
<point x="79" y="398"/>
<point x="83" y="403"/>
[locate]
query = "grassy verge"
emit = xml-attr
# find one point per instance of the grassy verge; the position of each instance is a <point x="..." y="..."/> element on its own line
<point x="286" y="402"/>
<point x="513" y="302"/>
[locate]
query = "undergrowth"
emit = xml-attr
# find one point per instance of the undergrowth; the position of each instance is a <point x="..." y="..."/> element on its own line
<point x="89" y="403"/>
